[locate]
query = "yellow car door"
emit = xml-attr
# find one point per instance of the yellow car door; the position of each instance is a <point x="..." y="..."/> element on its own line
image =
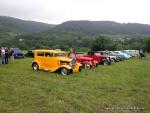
<point x="39" y="56"/>
<point x="48" y="61"/>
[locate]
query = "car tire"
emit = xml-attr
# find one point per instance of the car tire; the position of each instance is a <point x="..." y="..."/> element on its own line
<point x="80" y="68"/>
<point x="35" y="66"/>
<point x="112" y="61"/>
<point x="105" y="63"/>
<point x="87" y="66"/>
<point x="64" y="71"/>
<point x="96" y="65"/>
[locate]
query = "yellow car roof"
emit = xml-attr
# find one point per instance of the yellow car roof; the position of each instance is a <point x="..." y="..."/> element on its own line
<point x="46" y="50"/>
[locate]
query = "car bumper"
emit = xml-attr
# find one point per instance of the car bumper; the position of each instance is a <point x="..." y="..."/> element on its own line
<point x="18" y="56"/>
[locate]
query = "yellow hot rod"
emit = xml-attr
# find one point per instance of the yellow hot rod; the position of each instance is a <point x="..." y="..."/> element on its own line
<point x="54" y="60"/>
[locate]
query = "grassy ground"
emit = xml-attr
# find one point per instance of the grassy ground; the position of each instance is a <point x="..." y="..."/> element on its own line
<point x="112" y="89"/>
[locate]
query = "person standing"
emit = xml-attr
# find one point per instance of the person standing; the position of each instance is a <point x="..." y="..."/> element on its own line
<point x="6" y="55"/>
<point x="72" y="54"/>
<point x="0" y="57"/>
<point x="3" y="55"/>
<point x="141" y="53"/>
<point x="11" y="52"/>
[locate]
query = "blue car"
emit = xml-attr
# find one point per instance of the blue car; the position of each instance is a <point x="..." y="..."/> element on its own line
<point x="17" y="53"/>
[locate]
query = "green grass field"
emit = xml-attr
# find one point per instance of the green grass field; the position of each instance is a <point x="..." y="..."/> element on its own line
<point x="118" y="88"/>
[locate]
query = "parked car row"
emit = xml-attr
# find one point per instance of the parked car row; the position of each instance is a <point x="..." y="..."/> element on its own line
<point x="58" y="61"/>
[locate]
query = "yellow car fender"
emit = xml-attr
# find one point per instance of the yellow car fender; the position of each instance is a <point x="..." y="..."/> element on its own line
<point x="77" y="67"/>
<point x="65" y="66"/>
<point x="80" y="65"/>
<point x="62" y="66"/>
<point x="37" y="63"/>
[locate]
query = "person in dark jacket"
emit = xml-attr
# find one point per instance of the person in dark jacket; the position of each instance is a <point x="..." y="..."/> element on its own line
<point x="6" y="55"/>
<point x="142" y="53"/>
<point x="11" y="52"/>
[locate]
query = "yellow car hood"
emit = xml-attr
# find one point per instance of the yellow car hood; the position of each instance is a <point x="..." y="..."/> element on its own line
<point x="64" y="59"/>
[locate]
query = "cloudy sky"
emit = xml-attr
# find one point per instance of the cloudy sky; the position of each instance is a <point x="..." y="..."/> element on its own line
<point x="58" y="11"/>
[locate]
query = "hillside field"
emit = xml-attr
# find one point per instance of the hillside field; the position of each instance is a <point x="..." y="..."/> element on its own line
<point x="123" y="87"/>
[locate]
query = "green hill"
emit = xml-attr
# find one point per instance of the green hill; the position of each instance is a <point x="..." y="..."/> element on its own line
<point x="10" y="28"/>
<point x="24" y="26"/>
<point x="106" y="27"/>
<point x="71" y="33"/>
<point x="79" y="27"/>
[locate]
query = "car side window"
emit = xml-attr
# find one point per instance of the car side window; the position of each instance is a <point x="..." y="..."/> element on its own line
<point x="48" y="54"/>
<point x="40" y="53"/>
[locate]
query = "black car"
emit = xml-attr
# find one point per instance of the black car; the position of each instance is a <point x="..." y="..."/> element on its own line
<point x="30" y="53"/>
<point x="17" y="53"/>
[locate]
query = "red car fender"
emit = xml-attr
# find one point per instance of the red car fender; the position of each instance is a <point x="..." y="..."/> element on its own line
<point x="87" y="62"/>
<point x="96" y="62"/>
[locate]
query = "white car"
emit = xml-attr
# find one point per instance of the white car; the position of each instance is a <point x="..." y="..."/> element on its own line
<point x="126" y="55"/>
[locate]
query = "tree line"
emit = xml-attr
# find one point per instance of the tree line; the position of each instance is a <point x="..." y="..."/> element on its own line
<point x="79" y="42"/>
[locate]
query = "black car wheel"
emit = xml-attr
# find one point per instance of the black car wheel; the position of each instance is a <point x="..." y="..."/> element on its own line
<point x="87" y="66"/>
<point x="112" y="61"/>
<point x="64" y="71"/>
<point x="80" y="68"/>
<point x="35" y="66"/>
<point x="105" y="63"/>
<point x="96" y="65"/>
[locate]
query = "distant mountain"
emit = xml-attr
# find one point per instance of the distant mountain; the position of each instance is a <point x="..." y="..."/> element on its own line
<point x="106" y="27"/>
<point x="9" y="24"/>
<point x="37" y="34"/>
<point x="81" y="33"/>
<point x="14" y="24"/>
